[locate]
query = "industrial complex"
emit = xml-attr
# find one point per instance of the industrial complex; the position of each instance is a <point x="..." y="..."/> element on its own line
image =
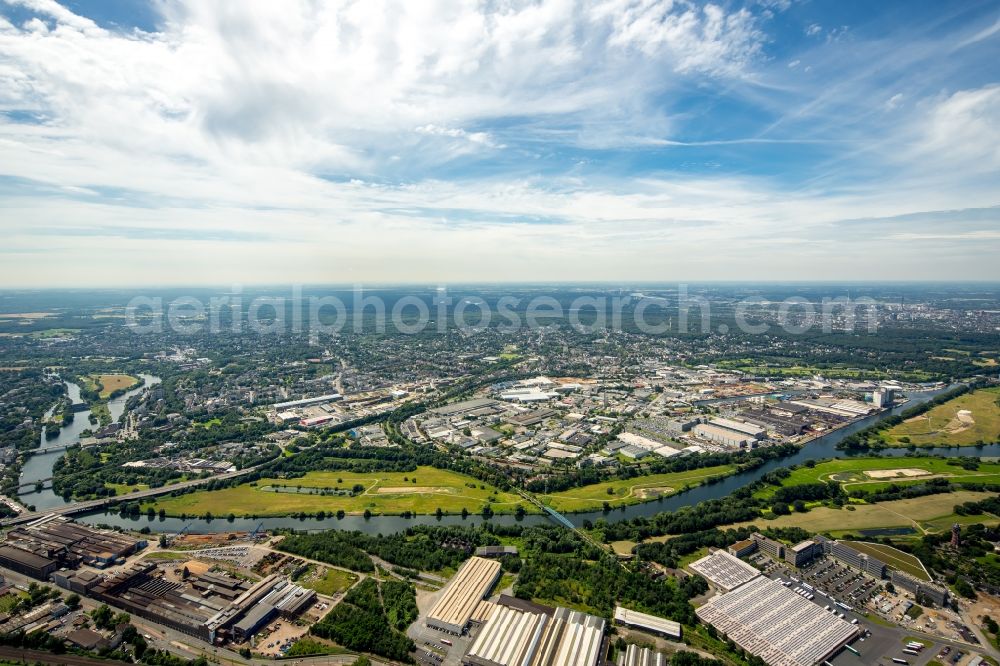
<point x="781" y="627"/>
<point x="519" y="633"/>
<point x="464" y="592"/>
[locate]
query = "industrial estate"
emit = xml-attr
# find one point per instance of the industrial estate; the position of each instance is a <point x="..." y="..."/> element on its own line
<point x="498" y="500"/>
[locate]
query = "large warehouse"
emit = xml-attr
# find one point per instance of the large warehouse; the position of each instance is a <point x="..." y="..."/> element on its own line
<point x="463" y="593"/>
<point x="520" y="633"/>
<point x="784" y="629"/>
<point x="724" y="571"/>
<point x="646" y="622"/>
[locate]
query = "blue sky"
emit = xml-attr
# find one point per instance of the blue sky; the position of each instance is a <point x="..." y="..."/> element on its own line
<point x="187" y="142"/>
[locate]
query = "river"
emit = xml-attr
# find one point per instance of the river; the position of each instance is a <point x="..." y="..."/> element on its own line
<point x="39" y="466"/>
<point x="822" y="447"/>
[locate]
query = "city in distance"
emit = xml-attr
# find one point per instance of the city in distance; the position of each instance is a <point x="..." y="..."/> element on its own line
<point x="533" y="333"/>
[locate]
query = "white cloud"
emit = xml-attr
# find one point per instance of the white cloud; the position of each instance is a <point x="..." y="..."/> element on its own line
<point x="814" y="29"/>
<point x="292" y="141"/>
<point x="894" y="101"/>
<point x="482" y="138"/>
<point x="962" y="130"/>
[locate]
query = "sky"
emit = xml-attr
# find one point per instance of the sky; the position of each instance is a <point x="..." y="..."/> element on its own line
<point x="186" y="142"/>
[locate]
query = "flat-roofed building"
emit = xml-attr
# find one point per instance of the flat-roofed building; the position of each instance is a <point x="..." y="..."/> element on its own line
<point x="723" y="436"/>
<point x="459" y="599"/>
<point x="775" y="549"/>
<point x="525" y="634"/>
<point x="463" y="407"/>
<point x="802" y="553"/>
<point x="646" y="622"/>
<point x="781" y="627"/>
<point x="724" y="571"/>
<point x="748" y="429"/>
<point x="743" y="548"/>
<point x="27" y="563"/>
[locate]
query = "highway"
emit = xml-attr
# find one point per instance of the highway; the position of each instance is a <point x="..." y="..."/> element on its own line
<point x="88" y="505"/>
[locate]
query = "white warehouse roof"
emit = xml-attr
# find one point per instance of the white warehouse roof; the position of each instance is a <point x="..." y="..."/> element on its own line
<point x="784" y="629"/>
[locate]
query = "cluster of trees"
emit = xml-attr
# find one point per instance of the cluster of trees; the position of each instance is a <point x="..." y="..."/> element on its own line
<point x="361" y="622"/>
<point x="585" y="577"/>
<point x="425" y="548"/>
<point x="670" y="552"/>
<point x="333" y="546"/>
<point x="737" y="507"/>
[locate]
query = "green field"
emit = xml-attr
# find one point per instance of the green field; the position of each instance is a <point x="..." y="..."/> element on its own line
<point x="932" y="513"/>
<point x="872" y="474"/>
<point x="54" y="333"/>
<point x="631" y="491"/>
<point x="422" y="491"/>
<point x="893" y="557"/>
<point x="943" y="425"/>
<point x="332" y="582"/>
<point x="123" y="489"/>
<point x="110" y="383"/>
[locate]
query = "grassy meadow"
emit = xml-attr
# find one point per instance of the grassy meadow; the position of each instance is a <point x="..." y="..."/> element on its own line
<point x="422" y="491"/>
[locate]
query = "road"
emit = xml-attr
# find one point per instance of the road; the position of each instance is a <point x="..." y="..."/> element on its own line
<point x="81" y="507"/>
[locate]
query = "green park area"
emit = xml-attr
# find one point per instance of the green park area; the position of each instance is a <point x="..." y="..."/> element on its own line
<point x="422" y="491"/>
<point x="967" y="420"/>
<point x="931" y="513"/>
<point x="631" y="491"/>
<point x="874" y="474"/>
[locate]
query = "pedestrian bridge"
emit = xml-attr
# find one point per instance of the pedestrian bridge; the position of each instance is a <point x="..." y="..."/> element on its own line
<point x="559" y="518"/>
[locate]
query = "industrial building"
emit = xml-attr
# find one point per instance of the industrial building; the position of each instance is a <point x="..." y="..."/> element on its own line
<point x="748" y="429"/>
<point x="637" y="656"/>
<point x="466" y="407"/>
<point x="648" y="623"/>
<point x="65" y="543"/>
<point x="519" y="633"/>
<point x="26" y="562"/>
<point x="81" y="582"/>
<point x="724" y="571"/>
<point x="281" y="406"/>
<point x="883" y="397"/>
<point x="773" y="420"/>
<point x="724" y="436"/>
<point x="496" y="551"/>
<point x="781" y="627"/>
<point x="458" y="600"/>
<point x="208" y="606"/>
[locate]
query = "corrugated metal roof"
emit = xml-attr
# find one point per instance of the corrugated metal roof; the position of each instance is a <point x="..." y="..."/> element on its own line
<point x="464" y="592"/>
